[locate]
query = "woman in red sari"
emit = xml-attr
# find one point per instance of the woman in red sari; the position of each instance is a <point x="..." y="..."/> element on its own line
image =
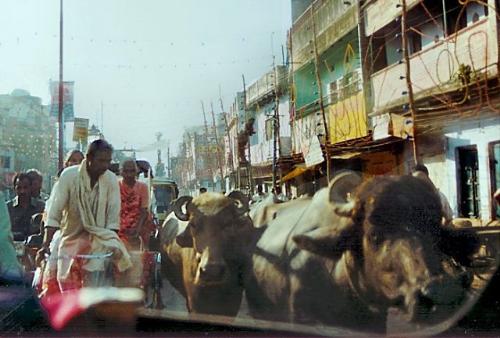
<point x="134" y="214"/>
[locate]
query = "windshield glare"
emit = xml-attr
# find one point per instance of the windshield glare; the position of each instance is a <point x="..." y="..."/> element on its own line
<point x="309" y="167"/>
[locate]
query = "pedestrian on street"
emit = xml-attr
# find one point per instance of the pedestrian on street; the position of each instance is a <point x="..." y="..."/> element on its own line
<point x="23" y="207"/>
<point x="134" y="216"/>
<point x="85" y="206"/>
<point x="74" y="157"/>
<point x="421" y="171"/>
<point x="36" y="185"/>
<point x="10" y="269"/>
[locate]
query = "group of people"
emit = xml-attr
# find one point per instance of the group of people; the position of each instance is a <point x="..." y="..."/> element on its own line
<point x="90" y="211"/>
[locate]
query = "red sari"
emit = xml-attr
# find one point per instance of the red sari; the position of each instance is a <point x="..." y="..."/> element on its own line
<point x="133" y="200"/>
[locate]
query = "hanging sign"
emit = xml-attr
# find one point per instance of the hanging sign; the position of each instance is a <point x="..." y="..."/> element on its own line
<point x="315" y="154"/>
<point x="80" y="129"/>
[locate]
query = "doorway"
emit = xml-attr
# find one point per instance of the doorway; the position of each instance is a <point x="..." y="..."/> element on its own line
<point x="468" y="182"/>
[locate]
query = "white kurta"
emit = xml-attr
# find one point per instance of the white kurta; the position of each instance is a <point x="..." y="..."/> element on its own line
<point x="76" y="237"/>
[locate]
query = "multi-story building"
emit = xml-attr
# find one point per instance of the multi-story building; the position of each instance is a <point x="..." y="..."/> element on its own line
<point x="447" y="87"/>
<point x="236" y="118"/>
<point x="329" y="109"/>
<point x="197" y="165"/>
<point x="27" y="136"/>
<point x="267" y="102"/>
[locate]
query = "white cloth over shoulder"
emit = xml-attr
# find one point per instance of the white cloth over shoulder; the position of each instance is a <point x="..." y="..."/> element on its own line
<point x="87" y="217"/>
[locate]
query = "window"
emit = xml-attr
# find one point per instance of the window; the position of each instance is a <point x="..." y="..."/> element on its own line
<point x="333" y="95"/>
<point x="455" y="17"/>
<point x="350" y="83"/>
<point x="5" y="162"/>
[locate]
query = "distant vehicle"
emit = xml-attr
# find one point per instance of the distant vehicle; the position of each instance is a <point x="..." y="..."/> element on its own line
<point x="164" y="191"/>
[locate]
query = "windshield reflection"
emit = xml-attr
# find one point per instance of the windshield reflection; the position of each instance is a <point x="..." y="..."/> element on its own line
<point x="307" y="167"/>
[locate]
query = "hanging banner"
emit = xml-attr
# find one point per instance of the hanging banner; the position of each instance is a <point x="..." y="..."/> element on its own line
<point x="68" y="112"/>
<point x="80" y="129"/>
<point x="315" y="154"/>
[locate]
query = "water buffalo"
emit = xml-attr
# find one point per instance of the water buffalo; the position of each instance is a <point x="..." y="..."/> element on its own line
<point x="354" y="250"/>
<point x="263" y="211"/>
<point x="203" y="240"/>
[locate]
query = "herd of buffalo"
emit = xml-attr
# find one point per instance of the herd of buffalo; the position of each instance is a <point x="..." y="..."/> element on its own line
<point x="343" y="257"/>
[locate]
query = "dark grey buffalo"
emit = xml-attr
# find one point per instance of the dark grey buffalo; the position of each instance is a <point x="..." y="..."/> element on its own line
<point x="353" y="251"/>
<point x="203" y="242"/>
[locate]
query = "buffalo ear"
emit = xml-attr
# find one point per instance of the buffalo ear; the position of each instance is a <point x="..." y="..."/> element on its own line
<point x="327" y="242"/>
<point x="461" y="244"/>
<point x="184" y="239"/>
<point x="241" y="199"/>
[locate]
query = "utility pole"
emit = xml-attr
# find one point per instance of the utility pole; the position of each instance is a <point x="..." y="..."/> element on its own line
<point x="406" y="57"/>
<point x="226" y="125"/>
<point x="219" y="160"/>
<point x="276" y="125"/>
<point x="207" y="157"/>
<point x="102" y="118"/>
<point x="60" y="116"/>
<point x="320" y="93"/>
<point x="169" y="172"/>
<point x="249" y="164"/>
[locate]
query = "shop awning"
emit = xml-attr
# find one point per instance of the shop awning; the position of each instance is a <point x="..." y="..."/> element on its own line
<point x="297" y="171"/>
<point x="348" y="155"/>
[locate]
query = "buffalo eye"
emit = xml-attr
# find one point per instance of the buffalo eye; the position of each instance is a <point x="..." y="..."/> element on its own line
<point x="375" y="238"/>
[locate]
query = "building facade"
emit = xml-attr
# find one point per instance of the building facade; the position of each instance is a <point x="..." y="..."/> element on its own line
<point x="27" y="136"/>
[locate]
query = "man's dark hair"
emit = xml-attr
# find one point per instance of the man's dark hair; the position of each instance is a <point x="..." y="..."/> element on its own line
<point x="202" y="190"/>
<point x="422" y="168"/>
<point x="98" y="145"/>
<point x="20" y="177"/>
<point x="34" y="174"/>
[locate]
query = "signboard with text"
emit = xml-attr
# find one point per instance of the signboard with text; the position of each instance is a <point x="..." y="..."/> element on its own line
<point x="80" y="129"/>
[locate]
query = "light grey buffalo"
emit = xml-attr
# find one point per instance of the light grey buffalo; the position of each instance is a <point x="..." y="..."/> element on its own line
<point x="347" y="255"/>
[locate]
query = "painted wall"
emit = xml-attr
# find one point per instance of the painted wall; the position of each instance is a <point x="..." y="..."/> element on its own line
<point x="429" y="32"/>
<point x="339" y="59"/>
<point x="479" y="134"/>
<point x="303" y="130"/>
<point x="347" y="119"/>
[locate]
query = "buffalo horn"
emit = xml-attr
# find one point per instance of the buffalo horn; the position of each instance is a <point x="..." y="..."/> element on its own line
<point x="344" y="185"/>
<point x="178" y="204"/>
<point x="241" y="198"/>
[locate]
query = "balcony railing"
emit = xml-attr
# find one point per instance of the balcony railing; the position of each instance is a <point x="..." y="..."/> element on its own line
<point x="267" y="84"/>
<point x="332" y="20"/>
<point x="435" y="69"/>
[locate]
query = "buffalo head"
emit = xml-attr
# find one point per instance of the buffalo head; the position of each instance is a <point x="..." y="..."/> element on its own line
<point x="387" y="238"/>
<point x="216" y="230"/>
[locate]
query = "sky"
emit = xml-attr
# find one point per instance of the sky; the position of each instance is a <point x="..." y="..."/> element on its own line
<point x="146" y="64"/>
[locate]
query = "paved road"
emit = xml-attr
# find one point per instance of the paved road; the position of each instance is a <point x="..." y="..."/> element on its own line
<point x="395" y="324"/>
